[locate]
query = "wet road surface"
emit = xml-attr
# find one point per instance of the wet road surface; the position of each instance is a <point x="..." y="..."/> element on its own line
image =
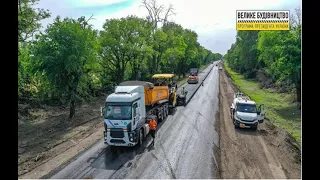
<point x="184" y="148"/>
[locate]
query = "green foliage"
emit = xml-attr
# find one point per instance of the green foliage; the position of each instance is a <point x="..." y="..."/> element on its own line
<point x="29" y="19"/>
<point x="70" y="61"/>
<point x="277" y="53"/>
<point x="65" y="53"/>
<point x="125" y="41"/>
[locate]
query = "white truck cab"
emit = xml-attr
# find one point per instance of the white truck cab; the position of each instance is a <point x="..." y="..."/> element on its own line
<point x="245" y="113"/>
<point x="124" y="115"/>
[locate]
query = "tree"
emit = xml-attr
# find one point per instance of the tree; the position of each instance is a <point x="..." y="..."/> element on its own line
<point x="281" y="52"/>
<point x="140" y="48"/>
<point x="157" y="13"/>
<point x="124" y="41"/>
<point x="176" y="46"/>
<point x="29" y="19"/>
<point x="64" y="53"/>
<point x="191" y="51"/>
<point x="159" y="44"/>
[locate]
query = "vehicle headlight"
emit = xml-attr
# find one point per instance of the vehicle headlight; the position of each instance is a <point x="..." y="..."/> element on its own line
<point x="130" y="135"/>
<point x="237" y="117"/>
<point x="131" y="139"/>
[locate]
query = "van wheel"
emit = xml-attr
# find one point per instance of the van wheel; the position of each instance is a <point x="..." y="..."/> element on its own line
<point x="255" y="127"/>
<point x="235" y="124"/>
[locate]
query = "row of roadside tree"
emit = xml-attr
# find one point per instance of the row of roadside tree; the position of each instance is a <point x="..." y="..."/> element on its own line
<point x="71" y="61"/>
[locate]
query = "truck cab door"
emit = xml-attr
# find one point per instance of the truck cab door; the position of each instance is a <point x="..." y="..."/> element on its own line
<point x="135" y="112"/>
<point x="261" y="113"/>
<point x="136" y="117"/>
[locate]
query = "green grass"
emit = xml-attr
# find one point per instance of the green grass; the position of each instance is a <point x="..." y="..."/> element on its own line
<point x="279" y="108"/>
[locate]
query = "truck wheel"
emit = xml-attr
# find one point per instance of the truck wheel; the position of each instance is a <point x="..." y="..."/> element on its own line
<point x="167" y="110"/>
<point x="140" y="138"/>
<point x="255" y="127"/>
<point x="160" y="116"/>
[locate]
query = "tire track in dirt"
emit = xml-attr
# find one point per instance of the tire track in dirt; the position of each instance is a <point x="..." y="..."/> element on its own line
<point x="247" y="153"/>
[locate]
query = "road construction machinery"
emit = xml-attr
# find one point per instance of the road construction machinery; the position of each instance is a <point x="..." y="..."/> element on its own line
<point x="128" y="110"/>
<point x="193" y="78"/>
<point x="245" y="113"/>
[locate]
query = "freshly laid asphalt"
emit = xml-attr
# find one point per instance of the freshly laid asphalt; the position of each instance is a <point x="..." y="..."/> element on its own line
<point x="185" y="145"/>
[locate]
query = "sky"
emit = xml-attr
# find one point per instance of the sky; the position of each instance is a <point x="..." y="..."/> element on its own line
<point x="213" y="20"/>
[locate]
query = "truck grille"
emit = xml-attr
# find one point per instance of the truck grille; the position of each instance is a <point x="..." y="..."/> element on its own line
<point x="117" y="133"/>
<point x="117" y="141"/>
<point x="247" y="120"/>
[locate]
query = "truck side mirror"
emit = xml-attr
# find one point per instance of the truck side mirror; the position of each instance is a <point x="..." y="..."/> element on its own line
<point x="258" y="112"/>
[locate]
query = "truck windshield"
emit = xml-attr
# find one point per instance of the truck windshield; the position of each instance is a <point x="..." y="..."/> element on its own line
<point x="118" y="112"/>
<point x="247" y="108"/>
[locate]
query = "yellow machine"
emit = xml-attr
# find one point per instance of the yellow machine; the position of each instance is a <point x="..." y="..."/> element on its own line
<point x="128" y="110"/>
<point x="166" y="80"/>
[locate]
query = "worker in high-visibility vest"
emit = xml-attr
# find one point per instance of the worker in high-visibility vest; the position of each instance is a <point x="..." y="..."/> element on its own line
<point x="184" y="91"/>
<point x="153" y="128"/>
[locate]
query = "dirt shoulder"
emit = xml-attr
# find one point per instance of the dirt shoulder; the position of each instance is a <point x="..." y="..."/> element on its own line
<point x="266" y="153"/>
<point x="47" y="138"/>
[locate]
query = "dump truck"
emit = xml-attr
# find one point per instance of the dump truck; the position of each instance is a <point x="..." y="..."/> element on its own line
<point x="128" y="110"/>
<point x="193" y="78"/>
<point x="245" y="113"/>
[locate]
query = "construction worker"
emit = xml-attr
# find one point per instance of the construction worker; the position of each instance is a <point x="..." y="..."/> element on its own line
<point x="153" y="128"/>
<point x="184" y="91"/>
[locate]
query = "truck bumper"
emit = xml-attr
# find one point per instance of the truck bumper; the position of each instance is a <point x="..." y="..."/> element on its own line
<point x="120" y="139"/>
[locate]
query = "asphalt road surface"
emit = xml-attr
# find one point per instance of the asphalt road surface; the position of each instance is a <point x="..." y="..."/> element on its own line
<point x="184" y="147"/>
<point x="193" y="87"/>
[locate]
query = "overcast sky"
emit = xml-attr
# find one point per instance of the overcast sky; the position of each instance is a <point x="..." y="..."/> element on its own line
<point x="213" y="20"/>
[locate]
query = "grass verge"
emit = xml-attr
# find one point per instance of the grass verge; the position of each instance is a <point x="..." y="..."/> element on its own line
<point x="278" y="107"/>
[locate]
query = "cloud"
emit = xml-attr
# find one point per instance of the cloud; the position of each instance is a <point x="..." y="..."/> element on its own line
<point x="98" y="7"/>
<point x="88" y="3"/>
<point x="213" y="20"/>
